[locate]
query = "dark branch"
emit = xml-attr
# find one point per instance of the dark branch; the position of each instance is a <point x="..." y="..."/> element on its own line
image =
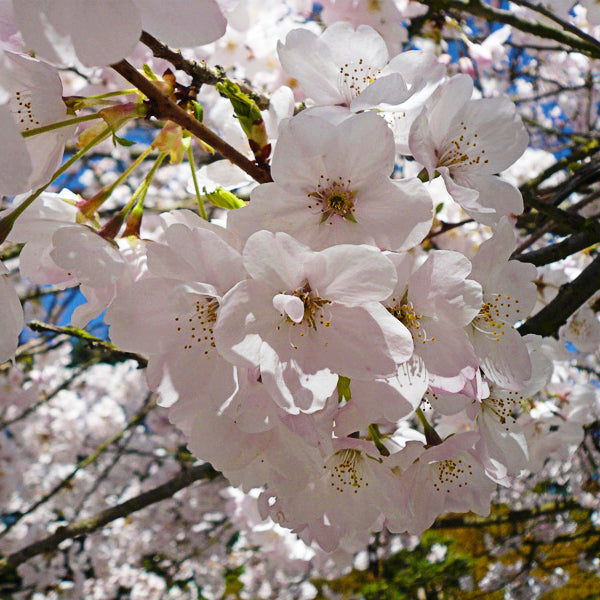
<point x="570" y="297"/>
<point x="162" y="492"/>
<point x="199" y="72"/>
<point x="165" y="109"/>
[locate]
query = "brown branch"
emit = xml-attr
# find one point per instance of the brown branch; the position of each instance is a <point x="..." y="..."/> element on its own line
<point x="82" y="464"/>
<point x="199" y="72"/>
<point x="570" y="297"/>
<point x="49" y="544"/>
<point x="542" y="10"/>
<point x="165" y="109"/>
<point x="92" y="340"/>
<point x="541" y="30"/>
<point x="513" y="516"/>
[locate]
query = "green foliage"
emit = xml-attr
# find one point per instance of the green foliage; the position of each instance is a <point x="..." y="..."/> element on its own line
<point x="343" y="388"/>
<point x="407" y="575"/>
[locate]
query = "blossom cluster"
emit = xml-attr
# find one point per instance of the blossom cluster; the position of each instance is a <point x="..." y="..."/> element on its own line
<point x="315" y="343"/>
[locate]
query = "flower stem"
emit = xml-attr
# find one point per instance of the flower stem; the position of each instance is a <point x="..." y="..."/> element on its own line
<point x="6" y="224"/>
<point x="431" y="435"/>
<point x="199" y="197"/>
<point x="59" y="124"/>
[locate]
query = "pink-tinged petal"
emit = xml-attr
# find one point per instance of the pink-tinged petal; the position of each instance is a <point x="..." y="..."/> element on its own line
<point x="352" y="274"/>
<point x="388" y="89"/>
<point x="273" y="209"/>
<point x="447" y="351"/>
<point x="291" y="306"/>
<point x="151" y="330"/>
<point x="98" y="33"/>
<point x="421" y="144"/>
<point x="308" y="59"/>
<point x="504" y="358"/>
<point x="163" y="261"/>
<point x="101" y="33"/>
<point x="494" y="125"/>
<point x="208" y="432"/>
<point x="363" y="342"/>
<point x="11" y="317"/>
<point x="439" y="288"/>
<point x="467" y="197"/>
<point x="93" y="260"/>
<point x="36" y="264"/>
<point x="189" y="372"/>
<point x="350" y="45"/>
<point x="292" y="389"/>
<point x="380" y="400"/>
<point x="420" y="68"/>
<point x="445" y="104"/>
<point x="301" y="142"/>
<point x="398" y="213"/>
<point x="35" y="21"/>
<point x="212" y="260"/>
<point x="245" y="311"/>
<point x="181" y="22"/>
<point x="360" y="147"/>
<point x="277" y="259"/>
<point x="502" y="442"/>
<point x="494" y="193"/>
<point x="15" y="162"/>
<point x="493" y="254"/>
<point x="447" y="403"/>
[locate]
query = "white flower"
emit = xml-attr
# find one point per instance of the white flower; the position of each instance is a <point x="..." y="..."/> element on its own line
<point x="332" y="186"/>
<point x="11" y="316"/>
<point x="508" y="297"/>
<point x="30" y="97"/>
<point x="318" y="310"/>
<point x="96" y="33"/>
<point x="468" y="142"/>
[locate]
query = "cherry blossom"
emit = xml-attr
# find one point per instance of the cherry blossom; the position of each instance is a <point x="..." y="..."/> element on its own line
<point x="342" y="66"/>
<point x="67" y="31"/>
<point x="468" y="142"/>
<point x="188" y="275"/>
<point x="11" y="315"/>
<point x="332" y="186"/>
<point x="31" y="97"/>
<point x="320" y="309"/>
<point x="508" y="297"/>
<point x="444" y="478"/>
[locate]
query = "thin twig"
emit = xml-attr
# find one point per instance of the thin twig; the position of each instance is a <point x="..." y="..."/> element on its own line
<point x="185" y="478"/>
<point x="165" y="109"/>
<point x="199" y="72"/>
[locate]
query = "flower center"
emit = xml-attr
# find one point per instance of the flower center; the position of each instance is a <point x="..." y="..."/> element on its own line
<point x="334" y="198"/>
<point x="21" y="107"/>
<point x="503" y="407"/>
<point x="492" y="318"/>
<point x="345" y="470"/>
<point x="405" y="313"/>
<point x="196" y="328"/>
<point x="312" y="315"/>
<point x="356" y="76"/>
<point x="312" y="307"/>
<point x="451" y="473"/>
<point x="461" y="150"/>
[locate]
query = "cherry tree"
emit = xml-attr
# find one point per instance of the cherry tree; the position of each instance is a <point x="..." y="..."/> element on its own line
<point x="289" y="287"/>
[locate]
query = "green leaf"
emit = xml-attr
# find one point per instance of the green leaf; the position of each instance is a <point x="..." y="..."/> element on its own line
<point x="343" y="387"/>
<point x="149" y="73"/>
<point x="223" y="199"/>
<point x="198" y="111"/>
<point x="121" y="141"/>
